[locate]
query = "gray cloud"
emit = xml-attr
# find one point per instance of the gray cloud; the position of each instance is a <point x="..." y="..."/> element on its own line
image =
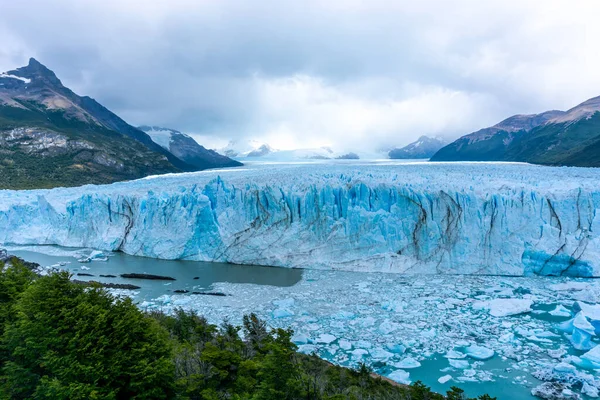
<point x="343" y="73"/>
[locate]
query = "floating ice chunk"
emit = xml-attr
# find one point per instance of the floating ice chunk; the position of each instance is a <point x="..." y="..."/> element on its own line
<point x="554" y="391"/>
<point x="581" y="340"/>
<point x="282" y="313"/>
<point x="344" y="315"/>
<point x="479" y="352"/>
<point x="560" y="311"/>
<point x="570" y="286"/>
<point x="397" y="306"/>
<point x="147" y="304"/>
<point x="363" y="344"/>
<point x="407" y="363"/>
<point x="544" y="334"/>
<point x="96" y="254"/>
<point x="84" y="268"/>
<point x="395" y="348"/>
<point x="455" y="354"/>
<point x="182" y="301"/>
<point x="589" y="390"/>
<point x="300" y="338"/>
<point x="284" y="303"/>
<point x="326" y="338"/>
<point x="591" y="311"/>
<point x="165" y="299"/>
<point x="460" y="364"/>
<point x="444" y="379"/>
<point x="366" y="322"/>
<point x="508" y="337"/>
<point x="307" y="348"/>
<point x="387" y="327"/>
<point x="565" y="368"/>
<point x="429" y="334"/>
<point x="504" y="307"/>
<point x="580" y="322"/>
<point x="593" y="357"/>
<point x="400" y="376"/>
<point x="557" y="353"/>
<point x="380" y="354"/>
<point x="344" y="344"/>
<point x="359" y="353"/>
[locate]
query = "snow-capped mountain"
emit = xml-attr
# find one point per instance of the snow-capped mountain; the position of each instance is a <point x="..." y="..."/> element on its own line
<point x="424" y="147"/>
<point x="253" y="150"/>
<point x="187" y="149"/>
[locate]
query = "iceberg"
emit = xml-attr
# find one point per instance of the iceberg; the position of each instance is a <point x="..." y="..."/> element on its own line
<point x="504" y="307"/>
<point x="460" y="364"/>
<point x="479" y="352"/>
<point x="407" y="363"/>
<point x="560" y="311"/>
<point x="498" y="219"/>
<point x="400" y="377"/>
<point x="592" y="357"/>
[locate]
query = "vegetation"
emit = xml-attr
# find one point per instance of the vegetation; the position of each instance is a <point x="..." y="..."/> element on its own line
<point x="93" y="154"/>
<point x="60" y="340"/>
<point x="575" y="143"/>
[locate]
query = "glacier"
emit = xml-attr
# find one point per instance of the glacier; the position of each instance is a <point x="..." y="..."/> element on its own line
<point x="443" y="218"/>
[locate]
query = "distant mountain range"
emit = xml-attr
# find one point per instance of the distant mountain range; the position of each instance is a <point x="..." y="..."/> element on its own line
<point x="252" y="150"/>
<point x="424" y="147"/>
<point x="570" y="138"/>
<point x="187" y="149"/>
<point x="50" y="136"/>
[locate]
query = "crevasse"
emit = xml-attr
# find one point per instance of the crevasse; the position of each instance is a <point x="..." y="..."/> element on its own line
<point x="492" y="220"/>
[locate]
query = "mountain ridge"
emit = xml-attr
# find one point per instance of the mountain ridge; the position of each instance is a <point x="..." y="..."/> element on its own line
<point x="50" y="136"/>
<point x="550" y="138"/>
<point x="187" y="149"/>
<point x="422" y="148"/>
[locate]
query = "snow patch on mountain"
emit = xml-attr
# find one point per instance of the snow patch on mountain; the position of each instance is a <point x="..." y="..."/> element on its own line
<point x="5" y="75"/>
<point x="162" y="137"/>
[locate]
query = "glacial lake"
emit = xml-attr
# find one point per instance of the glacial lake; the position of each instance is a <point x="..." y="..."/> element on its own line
<point x="352" y="317"/>
<point x="184" y="272"/>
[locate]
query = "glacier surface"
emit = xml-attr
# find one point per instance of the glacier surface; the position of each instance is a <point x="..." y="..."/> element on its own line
<point x="470" y="218"/>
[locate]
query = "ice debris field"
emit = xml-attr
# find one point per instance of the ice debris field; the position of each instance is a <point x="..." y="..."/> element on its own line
<point x="516" y="334"/>
<point x="506" y="336"/>
<point x="500" y="219"/>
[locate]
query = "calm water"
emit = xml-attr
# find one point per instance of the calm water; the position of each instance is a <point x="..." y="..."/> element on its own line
<point x="183" y="271"/>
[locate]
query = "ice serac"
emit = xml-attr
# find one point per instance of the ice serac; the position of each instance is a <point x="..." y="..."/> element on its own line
<point x="462" y="218"/>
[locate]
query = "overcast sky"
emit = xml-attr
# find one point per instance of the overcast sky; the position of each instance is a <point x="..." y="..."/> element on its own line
<point x="350" y="74"/>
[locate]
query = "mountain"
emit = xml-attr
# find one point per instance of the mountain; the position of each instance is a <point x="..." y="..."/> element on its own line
<point x="570" y="138"/>
<point x="49" y="136"/>
<point x="253" y="150"/>
<point x="187" y="149"/>
<point x="424" y="147"/>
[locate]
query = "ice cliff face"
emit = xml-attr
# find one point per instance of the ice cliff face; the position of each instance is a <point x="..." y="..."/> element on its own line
<point x="428" y="218"/>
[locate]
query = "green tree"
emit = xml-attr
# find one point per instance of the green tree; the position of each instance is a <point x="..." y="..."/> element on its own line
<point x="74" y="342"/>
<point x="279" y="373"/>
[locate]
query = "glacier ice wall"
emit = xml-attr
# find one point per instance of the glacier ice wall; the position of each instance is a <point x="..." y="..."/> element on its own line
<point x="470" y="219"/>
